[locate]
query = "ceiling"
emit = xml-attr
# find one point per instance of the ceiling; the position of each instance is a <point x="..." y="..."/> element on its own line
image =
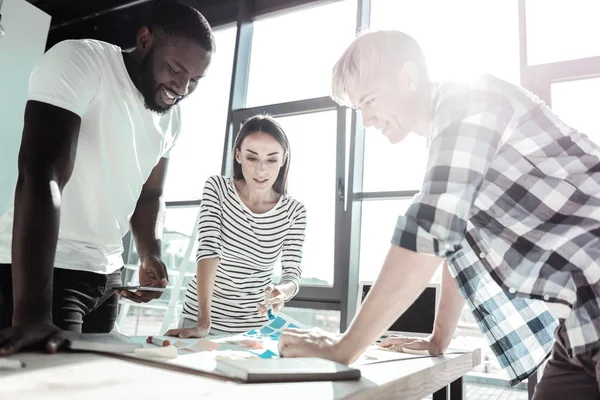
<point x="63" y="11"/>
<point x="115" y="21"/>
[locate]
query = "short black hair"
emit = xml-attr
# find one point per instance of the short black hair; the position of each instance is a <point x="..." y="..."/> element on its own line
<point x="177" y="19"/>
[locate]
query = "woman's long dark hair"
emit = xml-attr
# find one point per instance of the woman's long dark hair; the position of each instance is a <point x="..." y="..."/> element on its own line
<point x="268" y="125"/>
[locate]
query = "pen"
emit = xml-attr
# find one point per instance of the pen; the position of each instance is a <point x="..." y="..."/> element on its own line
<point x="270" y="314"/>
<point x="158" y="341"/>
<point x="10" y="363"/>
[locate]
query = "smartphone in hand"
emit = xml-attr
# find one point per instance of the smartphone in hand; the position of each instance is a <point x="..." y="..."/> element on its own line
<point x="140" y="288"/>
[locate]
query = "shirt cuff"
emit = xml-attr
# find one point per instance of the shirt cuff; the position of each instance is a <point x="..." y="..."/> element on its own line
<point x="294" y="280"/>
<point x="409" y="235"/>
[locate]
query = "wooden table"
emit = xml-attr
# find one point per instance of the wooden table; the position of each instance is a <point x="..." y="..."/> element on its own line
<point x="91" y="377"/>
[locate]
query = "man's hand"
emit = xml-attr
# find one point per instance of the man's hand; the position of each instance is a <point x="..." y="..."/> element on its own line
<point x="41" y="335"/>
<point x="275" y="298"/>
<point x="153" y="272"/>
<point x="312" y="343"/>
<point x="431" y="346"/>
<point x="199" y="331"/>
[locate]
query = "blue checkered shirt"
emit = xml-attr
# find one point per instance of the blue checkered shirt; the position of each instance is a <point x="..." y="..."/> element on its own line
<point x="511" y="199"/>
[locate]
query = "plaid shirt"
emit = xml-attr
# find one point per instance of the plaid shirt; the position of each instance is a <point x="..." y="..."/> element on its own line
<point x="511" y="198"/>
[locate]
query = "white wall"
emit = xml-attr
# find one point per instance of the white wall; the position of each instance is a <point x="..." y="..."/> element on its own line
<point x="26" y="30"/>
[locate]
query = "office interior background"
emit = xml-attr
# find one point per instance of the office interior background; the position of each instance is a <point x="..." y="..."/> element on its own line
<point x="275" y="56"/>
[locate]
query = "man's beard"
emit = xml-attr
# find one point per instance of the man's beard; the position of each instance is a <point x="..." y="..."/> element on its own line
<point x="149" y="87"/>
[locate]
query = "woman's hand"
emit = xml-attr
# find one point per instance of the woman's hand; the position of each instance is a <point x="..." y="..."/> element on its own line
<point x="199" y="331"/>
<point x="275" y="298"/>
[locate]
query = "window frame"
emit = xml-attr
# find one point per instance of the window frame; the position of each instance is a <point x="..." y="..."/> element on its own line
<point x="351" y="142"/>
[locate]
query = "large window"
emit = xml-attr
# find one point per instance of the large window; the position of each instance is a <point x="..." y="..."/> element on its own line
<point x="199" y="151"/>
<point x="562" y="30"/>
<point x="293" y="53"/>
<point x="378" y="221"/>
<point x="458" y="37"/>
<point x="312" y="181"/>
<point x="577" y="103"/>
<point x="393" y="167"/>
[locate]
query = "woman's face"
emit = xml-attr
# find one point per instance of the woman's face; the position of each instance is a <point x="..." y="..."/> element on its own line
<point x="261" y="158"/>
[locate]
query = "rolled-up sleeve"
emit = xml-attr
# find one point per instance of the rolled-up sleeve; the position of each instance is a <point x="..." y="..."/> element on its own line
<point x="209" y="222"/>
<point x="291" y="252"/>
<point x="467" y="125"/>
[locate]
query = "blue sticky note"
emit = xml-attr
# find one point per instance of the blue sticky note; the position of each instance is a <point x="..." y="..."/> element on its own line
<point x="251" y="332"/>
<point x="267" y="354"/>
<point x="276" y="335"/>
<point x="266" y="331"/>
<point x="277" y="323"/>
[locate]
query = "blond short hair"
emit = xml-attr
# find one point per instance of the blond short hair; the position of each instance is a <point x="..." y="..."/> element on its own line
<point x="367" y="53"/>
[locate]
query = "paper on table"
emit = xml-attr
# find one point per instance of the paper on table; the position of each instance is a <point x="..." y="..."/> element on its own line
<point x="10" y="363"/>
<point x="375" y="354"/>
<point x="202" y="345"/>
<point x="165" y="352"/>
<point x="272" y="329"/>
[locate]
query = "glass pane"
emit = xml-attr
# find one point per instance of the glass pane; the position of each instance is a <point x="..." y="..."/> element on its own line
<point x="199" y="151"/>
<point x="461" y="37"/>
<point x="293" y="53"/>
<point x="577" y="103"/>
<point x="143" y="320"/>
<point x="378" y="220"/>
<point x="180" y="222"/>
<point x="389" y="166"/>
<point x="311" y="180"/>
<point x="562" y="30"/>
<point x="328" y="320"/>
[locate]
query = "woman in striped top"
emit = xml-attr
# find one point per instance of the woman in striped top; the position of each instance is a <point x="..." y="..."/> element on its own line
<point x="246" y="223"/>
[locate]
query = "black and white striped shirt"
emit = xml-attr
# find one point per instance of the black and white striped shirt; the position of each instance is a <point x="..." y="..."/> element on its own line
<point x="248" y="246"/>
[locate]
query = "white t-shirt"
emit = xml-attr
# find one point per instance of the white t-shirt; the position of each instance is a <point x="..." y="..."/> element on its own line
<point x="120" y="142"/>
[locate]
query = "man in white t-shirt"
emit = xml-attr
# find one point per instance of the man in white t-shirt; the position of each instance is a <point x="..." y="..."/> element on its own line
<point x="99" y="125"/>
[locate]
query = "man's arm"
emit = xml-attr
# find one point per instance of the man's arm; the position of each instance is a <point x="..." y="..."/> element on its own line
<point x="451" y="306"/>
<point x="402" y="279"/>
<point x="45" y="163"/>
<point x="149" y="215"/>
<point x="147" y="228"/>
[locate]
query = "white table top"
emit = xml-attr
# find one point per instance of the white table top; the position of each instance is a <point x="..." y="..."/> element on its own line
<point x="92" y="376"/>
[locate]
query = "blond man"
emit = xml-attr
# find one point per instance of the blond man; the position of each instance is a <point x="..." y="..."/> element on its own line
<point x="510" y="205"/>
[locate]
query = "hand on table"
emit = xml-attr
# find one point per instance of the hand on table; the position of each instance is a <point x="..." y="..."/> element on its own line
<point x="312" y="343"/>
<point x="153" y="272"/>
<point x="199" y="331"/>
<point x="275" y="298"/>
<point x="38" y="335"/>
<point x="413" y="345"/>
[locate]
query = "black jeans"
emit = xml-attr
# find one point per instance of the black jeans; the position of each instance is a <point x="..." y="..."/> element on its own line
<point x="82" y="301"/>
